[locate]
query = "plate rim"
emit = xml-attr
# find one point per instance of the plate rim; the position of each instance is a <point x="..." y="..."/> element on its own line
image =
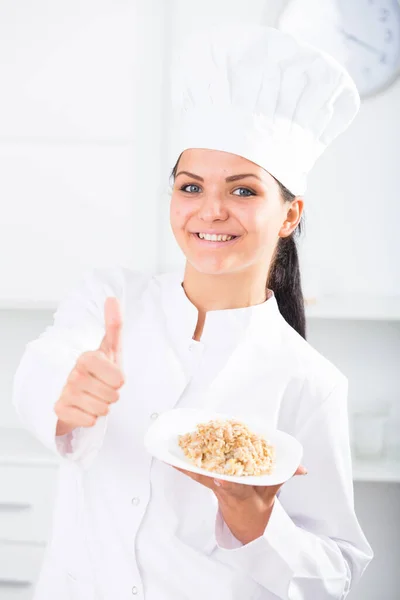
<point x="246" y="480"/>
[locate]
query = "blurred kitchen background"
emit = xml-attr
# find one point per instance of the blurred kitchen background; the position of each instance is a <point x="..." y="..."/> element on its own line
<point x="84" y="130"/>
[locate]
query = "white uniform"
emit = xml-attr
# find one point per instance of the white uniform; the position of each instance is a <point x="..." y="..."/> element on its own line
<point x="127" y="526"/>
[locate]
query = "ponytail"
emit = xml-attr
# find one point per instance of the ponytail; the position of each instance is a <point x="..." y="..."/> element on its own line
<point x="284" y="278"/>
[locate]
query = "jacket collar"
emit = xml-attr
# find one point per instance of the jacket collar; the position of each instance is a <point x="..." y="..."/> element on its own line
<point x="262" y="322"/>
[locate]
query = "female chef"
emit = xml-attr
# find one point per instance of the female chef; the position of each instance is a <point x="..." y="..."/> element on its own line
<point x="254" y="110"/>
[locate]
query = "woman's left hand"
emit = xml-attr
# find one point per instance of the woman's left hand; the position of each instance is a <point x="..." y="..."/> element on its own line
<point x="246" y="509"/>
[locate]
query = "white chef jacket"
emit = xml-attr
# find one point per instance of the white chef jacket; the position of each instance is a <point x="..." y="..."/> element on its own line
<point x="128" y="526"/>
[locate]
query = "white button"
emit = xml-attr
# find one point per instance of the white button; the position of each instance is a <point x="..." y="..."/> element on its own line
<point x="154" y="416"/>
<point x="135" y="501"/>
<point x="135" y="590"/>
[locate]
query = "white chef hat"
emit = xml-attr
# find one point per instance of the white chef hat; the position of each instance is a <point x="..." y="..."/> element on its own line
<point x="262" y="94"/>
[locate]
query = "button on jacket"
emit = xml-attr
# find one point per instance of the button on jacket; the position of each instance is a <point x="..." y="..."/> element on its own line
<point x="128" y="525"/>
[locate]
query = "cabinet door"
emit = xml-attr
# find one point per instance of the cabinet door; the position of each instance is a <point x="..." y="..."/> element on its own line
<point x="19" y="569"/>
<point x="66" y="210"/>
<point x="26" y="502"/>
<point x="81" y="132"/>
<point x="79" y="70"/>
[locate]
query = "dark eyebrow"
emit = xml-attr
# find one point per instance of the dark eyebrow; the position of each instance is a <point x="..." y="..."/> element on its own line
<point x="231" y="178"/>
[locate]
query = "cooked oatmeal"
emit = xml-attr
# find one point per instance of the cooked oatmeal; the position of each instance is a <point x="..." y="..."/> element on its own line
<point x="229" y="448"/>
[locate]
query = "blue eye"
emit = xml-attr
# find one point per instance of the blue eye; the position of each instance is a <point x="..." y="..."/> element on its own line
<point x="186" y="188"/>
<point x="250" y="193"/>
<point x="190" y="185"/>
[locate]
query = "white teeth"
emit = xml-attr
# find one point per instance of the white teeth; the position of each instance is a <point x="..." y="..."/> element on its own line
<point x="215" y="238"/>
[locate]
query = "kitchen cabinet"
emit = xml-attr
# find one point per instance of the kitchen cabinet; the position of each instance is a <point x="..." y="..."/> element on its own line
<point x="28" y="475"/>
<point x="379" y="471"/>
<point x="26" y="494"/>
<point x="73" y="209"/>
<point x="361" y="307"/>
<point x="81" y="138"/>
<point x="19" y="569"/>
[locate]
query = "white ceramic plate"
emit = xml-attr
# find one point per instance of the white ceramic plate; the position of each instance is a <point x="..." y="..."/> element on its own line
<point x="161" y="440"/>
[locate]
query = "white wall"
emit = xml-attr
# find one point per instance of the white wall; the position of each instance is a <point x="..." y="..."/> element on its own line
<point x="352" y="208"/>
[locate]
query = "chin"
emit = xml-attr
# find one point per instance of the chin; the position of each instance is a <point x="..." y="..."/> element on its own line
<point x="213" y="267"/>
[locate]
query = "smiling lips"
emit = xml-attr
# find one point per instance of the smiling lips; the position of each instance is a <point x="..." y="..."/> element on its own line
<point x="219" y="237"/>
<point x="215" y="237"/>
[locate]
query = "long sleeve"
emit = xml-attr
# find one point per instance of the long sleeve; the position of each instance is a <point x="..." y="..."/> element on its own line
<point x="48" y="360"/>
<point x="313" y="546"/>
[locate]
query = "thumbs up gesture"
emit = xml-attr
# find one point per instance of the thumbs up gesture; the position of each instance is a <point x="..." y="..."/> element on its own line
<point x="96" y="379"/>
<point x="111" y="342"/>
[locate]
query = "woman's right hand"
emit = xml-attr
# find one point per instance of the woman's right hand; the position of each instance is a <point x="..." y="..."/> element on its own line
<point x="94" y="382"/>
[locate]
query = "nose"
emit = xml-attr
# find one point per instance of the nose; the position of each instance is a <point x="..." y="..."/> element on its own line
<point x="212" y="209"/>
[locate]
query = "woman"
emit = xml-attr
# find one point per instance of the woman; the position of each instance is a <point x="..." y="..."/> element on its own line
<point x="255" y="109"/>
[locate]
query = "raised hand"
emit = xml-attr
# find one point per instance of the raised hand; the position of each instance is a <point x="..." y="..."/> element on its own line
<point x="96" y="378"/>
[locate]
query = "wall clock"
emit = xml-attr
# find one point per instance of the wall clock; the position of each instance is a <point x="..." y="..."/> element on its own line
<point x="364" y="35"/>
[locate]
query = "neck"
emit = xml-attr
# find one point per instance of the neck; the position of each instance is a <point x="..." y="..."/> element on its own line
<point x="229" y="290"/>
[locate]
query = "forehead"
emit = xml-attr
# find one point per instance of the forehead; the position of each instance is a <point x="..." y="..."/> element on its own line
<point x="216" y="163"/>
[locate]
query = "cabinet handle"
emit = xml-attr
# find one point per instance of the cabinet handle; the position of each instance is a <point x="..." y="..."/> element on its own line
<point x="15" y="506"/>
<point x="14" y="583"/>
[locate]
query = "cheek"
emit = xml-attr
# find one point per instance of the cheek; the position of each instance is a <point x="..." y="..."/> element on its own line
<point x="177" y="216"/>
<point x="258" y="220"/>
<point x="262" y="225"/>
<point x="267" y="227"/>
<point x="179" y="212"/>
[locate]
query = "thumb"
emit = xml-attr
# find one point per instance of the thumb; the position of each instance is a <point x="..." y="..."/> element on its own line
<point x="111" y="344"/>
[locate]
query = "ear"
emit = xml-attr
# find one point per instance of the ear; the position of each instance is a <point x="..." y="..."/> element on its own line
<point x="293" y="212"/>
